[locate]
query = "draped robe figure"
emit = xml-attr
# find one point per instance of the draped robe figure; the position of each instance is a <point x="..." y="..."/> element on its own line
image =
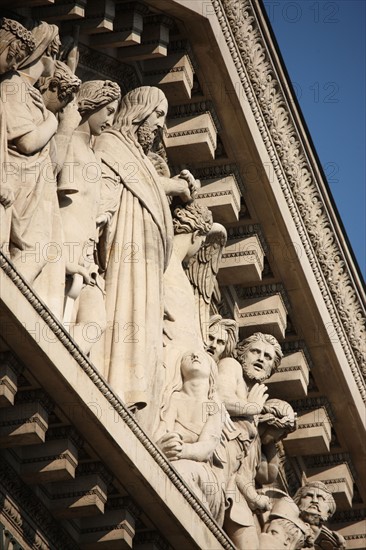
<point x="137" y="248"/>
<point x="16" y="43"/>
<point x="35" y="229"/>
<point x="79" y="197"/>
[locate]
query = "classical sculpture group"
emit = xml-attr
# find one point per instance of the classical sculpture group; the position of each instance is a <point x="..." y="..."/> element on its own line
<point x="123" y="254"/>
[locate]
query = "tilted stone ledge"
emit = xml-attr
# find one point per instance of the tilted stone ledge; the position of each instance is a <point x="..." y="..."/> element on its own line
<point x="313" y="434"/>
<point x="291" y="379"/>
<point x="242" y="261"/>
<point x="114" y="530"/>
<point x="127" y="26"/>
<point x="8" y="384"/>
<point x="222" y="197"/>
<point x="339" y="480"/>
<point x="355" y="534"/>
<point x="262" y="314"/>
<point x="84" y="496"/>
<point x="53" y="461"/>
<point x="173" y="74"/>
<point x="193" y="137"/>
<point x="23" y="424"/>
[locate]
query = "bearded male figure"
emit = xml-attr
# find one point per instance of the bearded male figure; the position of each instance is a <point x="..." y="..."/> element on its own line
<point x="241" y="389"/>
<point x="241" y="385"/>
<point x="135" y="249"/>
<point x="317" y="505"/>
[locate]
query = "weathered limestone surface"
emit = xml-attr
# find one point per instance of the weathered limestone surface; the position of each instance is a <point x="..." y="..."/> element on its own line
<point x="111" y="301"/>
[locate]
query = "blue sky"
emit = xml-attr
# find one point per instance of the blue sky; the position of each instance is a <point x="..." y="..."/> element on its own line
<point x="323" y="45"/>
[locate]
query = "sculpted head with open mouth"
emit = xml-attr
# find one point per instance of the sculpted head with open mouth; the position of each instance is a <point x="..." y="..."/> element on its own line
<point x="259" y="355"/>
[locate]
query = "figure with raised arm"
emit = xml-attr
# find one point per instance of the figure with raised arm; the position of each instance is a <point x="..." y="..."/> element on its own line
<point x="135" y="249"/>
<point x="35" y="245"/>
<point x="241" y="388"/>
<point x="58" y="92"/>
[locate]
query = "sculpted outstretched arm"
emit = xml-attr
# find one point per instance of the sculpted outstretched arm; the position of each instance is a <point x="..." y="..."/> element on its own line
<point x="255" y="500"/>
<point x="176" y="187"/>
<point x="201" y="451"/>
<point x="184" y="185"/>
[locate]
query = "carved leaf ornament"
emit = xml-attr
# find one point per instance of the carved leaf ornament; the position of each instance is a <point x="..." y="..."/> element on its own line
<point x="258" y="77"/>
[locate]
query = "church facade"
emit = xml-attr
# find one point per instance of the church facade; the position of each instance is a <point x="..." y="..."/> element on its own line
<point x="79" y="467"/>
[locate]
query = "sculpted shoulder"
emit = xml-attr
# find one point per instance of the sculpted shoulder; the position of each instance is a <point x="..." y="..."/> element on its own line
<point x="229" y="365"/>
<point x="230" y="378"/>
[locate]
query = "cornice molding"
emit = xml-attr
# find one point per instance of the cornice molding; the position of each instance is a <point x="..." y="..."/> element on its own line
<point x="193" y="109"/>
<point x="309" y="404"/>
<point x="248" y="230"/>
<point x="262" y="86"/>
<point x="264" y="291"/>
<point x="29" y="517"/>
<point x="101" y="64"/>
<point x="297" y="345"/>
<point x="153" y="538"/>
<point x="217" y="171"/>
<point x="334" y="459"/>
<point x="346" y="516"/>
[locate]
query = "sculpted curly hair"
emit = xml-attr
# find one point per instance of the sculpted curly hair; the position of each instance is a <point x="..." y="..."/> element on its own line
<point x="192" y="217"/>
<point x="63" y="80"/>
<point x="17" y="39"/>
<point x="95" y="94"/>
<point x="244" y="345"/>
<point x="46" y="39"/>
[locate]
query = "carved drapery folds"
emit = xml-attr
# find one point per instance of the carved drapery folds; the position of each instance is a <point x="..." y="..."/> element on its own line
<point x="143" y="269"/>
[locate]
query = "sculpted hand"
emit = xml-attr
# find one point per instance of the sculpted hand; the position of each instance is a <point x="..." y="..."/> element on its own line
<point x="181" y="189"/>
<point x="341" y="541"/>
<point x="6" y="196"/>
<point x="171" y="445"/>
<point x="193" y="184"/>
<point x="38" y="100"/>
<point x="77" y="269"/>
<point x="338" y="541"/>
<point x="70" y="117"/>
<point x="261" y="504"/>
<point x="257" y="398"/>
<point x="102" y="219"/>
<point x="177" y="187"/>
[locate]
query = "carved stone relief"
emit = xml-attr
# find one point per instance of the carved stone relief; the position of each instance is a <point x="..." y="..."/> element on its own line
<point x="110" y="241"/>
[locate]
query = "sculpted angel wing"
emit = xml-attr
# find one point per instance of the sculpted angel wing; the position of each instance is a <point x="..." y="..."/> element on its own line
<point x="202" y="272"/>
